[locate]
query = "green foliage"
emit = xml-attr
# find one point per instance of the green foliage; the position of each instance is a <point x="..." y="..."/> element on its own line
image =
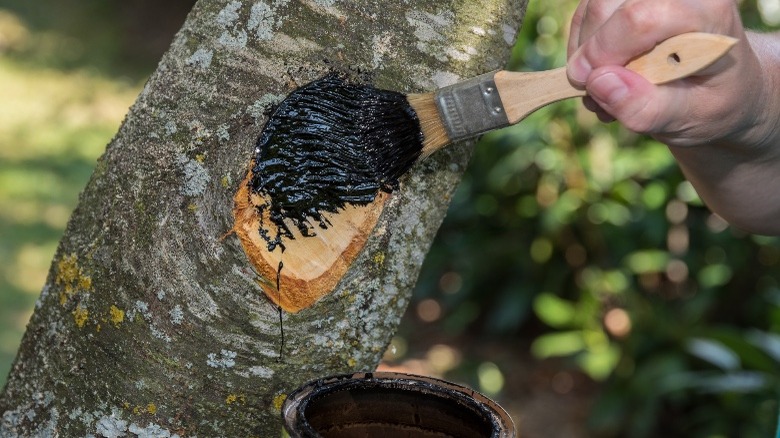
<point x="587" y="238"/>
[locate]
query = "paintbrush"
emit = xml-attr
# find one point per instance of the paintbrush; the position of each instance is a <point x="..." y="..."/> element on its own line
<point x="498" y="99"/>
<point x="337" y="141"/>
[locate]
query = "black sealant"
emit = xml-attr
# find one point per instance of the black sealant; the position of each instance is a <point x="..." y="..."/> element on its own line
<point x="330" y="143"/>
<point x="279" y="308"/>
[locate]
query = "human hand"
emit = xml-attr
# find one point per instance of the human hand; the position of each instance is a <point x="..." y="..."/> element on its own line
<point x="727" y="102"/>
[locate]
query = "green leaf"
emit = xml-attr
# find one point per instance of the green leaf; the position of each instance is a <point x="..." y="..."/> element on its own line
<point x="708" y="382"/>
<point x="599" y="364"/>
<point x="768" y="342"/>
<point x="654" y="195"/>
<point x="554" y="311"/>
<point x="714" y="275"/>
<point x="741" y="382"/>
<point x="714" y="352"/>
<point x="649" y="261"/>
<point x="558" y="344"/>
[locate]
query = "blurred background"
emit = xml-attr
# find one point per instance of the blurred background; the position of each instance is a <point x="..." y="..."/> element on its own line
<point x="578" y="279"/>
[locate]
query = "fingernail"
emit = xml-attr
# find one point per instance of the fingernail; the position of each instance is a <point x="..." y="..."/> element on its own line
<point x="608" y="89"/>
<point x="579" y="70"/>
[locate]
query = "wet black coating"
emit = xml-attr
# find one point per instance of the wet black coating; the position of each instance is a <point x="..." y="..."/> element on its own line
<point x="330" y="143"/>
<point x="279" y="308"/>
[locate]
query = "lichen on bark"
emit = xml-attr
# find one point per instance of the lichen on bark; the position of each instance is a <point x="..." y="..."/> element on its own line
<point x="151" y="322"/>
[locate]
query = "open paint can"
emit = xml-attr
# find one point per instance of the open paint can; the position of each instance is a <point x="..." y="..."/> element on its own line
<point x="384" y="404"/>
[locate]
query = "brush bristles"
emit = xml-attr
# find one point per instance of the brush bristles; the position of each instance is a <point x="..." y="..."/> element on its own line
<point x="434" y="134"/>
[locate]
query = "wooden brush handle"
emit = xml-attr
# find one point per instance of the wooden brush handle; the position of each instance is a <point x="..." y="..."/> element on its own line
<point x="683" y="55"/>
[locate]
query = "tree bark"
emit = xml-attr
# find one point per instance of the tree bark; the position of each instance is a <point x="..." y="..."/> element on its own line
<point x="151" y="322"/>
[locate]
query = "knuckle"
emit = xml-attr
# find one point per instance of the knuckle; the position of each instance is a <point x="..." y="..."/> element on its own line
<point x="598" y="11"/>
<point x="724" y="12"/>
<point x="640" y="17"/>
<point x="722" y="6"/>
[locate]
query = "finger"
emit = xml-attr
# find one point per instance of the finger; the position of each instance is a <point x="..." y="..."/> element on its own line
<point x="605" y="117"/>
<point x="636" y="26"/>
<point x="639" y="105"/>
<point x="589" y="16"/>
<point x="574" y="29"/>
<point x="594" y="107"/>
<point x="590" y="104"/>
<point x="597" y="13"/>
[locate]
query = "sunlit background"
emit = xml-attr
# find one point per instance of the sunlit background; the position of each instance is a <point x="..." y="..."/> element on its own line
<point x="578" y="279"/>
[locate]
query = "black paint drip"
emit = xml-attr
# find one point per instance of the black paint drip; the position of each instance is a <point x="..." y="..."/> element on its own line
<point x="331" y="143"/>
<point x="279" y="308"/>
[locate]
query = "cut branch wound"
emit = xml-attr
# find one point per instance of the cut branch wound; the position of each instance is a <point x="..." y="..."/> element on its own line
<point x="330" y="143"/>
<point x="326" y="156"/>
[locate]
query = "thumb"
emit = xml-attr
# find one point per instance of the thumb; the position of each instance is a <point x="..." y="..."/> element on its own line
<point x="628" y="97"/>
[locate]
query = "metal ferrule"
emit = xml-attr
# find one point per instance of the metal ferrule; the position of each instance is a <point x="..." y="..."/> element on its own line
<point x="471" y="107"/>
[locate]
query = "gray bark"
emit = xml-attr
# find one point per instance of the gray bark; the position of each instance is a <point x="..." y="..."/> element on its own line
<point x="150" y="323"/>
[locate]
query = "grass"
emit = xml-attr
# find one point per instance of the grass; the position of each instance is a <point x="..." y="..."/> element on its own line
<point x="55" y="125"/>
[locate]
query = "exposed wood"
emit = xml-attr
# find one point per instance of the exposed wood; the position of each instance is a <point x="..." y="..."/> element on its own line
<point x="312" y="265"/>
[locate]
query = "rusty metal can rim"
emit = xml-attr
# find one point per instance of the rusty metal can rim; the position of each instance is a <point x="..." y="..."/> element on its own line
<point x="294" y="407"/>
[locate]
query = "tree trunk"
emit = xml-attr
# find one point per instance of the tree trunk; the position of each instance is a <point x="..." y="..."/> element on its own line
<point x="152" y="322"/>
